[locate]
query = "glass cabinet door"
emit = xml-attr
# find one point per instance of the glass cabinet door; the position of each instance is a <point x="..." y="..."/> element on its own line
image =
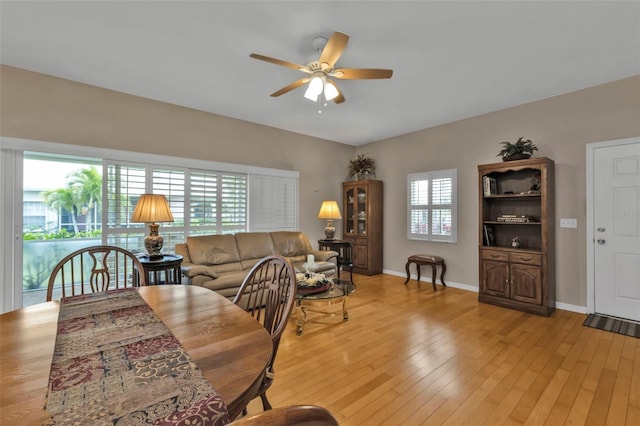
<point x="361" y="207"/>
<point x="350" y="210"/>
<point x="356" y="205"/>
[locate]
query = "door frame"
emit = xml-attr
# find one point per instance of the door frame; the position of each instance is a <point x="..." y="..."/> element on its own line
<point x="591" y="260"/>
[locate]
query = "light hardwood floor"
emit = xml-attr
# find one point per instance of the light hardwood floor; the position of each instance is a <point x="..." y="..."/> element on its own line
<point x="410" y="356"/>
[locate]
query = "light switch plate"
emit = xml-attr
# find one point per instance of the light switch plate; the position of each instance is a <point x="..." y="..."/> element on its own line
<point x="568" y="223"/>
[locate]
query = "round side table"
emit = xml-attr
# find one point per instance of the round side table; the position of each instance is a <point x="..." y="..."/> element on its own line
<point x="163" y="270"/>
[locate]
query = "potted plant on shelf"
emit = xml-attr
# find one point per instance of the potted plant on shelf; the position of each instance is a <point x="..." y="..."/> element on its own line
<point x="363" y="165"/>
<point x="521" y="150"/>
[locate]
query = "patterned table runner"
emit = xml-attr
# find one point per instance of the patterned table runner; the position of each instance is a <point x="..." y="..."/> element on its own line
<point x="116" y="363"/>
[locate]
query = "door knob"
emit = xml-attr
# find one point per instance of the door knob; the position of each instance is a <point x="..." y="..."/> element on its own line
<point x="601" y="241"/>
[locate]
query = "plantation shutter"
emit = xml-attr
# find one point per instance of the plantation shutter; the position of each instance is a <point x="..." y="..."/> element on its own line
<point x="273" y="203"/>
<point x="432" y="206"/>
<point x="202" y="202"/>
<point x="123" y="186"/>
<point x="172" y="184"/>
<point x="233" y="203"/>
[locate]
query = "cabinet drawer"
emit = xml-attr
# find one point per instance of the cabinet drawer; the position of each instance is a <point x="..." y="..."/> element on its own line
<point x="495" y="255"/>
<point x="362" y="241"/>
<point x="526" y="258"/>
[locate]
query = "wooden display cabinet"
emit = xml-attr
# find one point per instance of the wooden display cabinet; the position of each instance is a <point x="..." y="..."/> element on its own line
<point x="516" y="235"/>
<point x="362" y="224"/>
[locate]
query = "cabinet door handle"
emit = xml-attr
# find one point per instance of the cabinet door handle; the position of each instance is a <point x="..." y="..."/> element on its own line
<point x="526" y="258"/>
<point x="495" y="256"/>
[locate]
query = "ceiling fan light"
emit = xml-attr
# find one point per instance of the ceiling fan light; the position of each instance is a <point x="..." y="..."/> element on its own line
<point x="314" y="89"/>
<point x="311" y="94"/>
<point x="330" y="91"/>
<point x="316" y="84"/>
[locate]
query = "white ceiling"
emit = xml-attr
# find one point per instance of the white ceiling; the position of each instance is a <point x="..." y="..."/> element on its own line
<point x="451" y="59"/>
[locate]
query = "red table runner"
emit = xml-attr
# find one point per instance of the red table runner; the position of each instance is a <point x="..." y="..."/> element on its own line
<point x="116" y="363"/>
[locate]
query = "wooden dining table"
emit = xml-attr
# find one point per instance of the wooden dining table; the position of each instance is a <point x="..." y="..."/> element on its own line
<point x="229" y="346"/>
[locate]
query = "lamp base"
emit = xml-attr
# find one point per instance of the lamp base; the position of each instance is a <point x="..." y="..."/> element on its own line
<point x="329" y="230"/>
<point x="153" y="242"/>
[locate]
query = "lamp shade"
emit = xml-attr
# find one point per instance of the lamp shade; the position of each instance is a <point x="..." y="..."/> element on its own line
<point x="329" y="210"/>
<point x="152" y="208"/>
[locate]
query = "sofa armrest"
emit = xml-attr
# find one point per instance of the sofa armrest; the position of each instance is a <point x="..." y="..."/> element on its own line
<point x="191" y="270"/>
<point x="183" y="250"/>
<point x="324" y="255"/>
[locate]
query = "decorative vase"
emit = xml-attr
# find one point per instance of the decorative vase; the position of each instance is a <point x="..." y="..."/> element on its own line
<point x="364" y="175"/>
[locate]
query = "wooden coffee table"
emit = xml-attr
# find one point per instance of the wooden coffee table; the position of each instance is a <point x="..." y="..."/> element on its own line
<point x="339" y="292"/>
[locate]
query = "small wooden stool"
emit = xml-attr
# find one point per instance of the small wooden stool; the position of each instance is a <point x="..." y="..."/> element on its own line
<point x="426" y="259"/>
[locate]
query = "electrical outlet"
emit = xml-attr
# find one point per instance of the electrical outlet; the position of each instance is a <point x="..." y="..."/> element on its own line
<point x="568" y="223"/>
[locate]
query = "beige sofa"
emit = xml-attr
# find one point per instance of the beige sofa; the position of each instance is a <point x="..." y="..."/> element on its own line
<point x="221" y="262"/>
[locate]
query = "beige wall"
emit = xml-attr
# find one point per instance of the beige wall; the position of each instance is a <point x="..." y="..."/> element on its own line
<point x="44" y="108"/>
<point x="34" y="106"/>
<point x="561" y="127"/>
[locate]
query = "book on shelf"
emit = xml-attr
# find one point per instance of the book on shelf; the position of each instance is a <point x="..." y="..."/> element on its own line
<point x="489" y="236"/>
<point x="512" y="218"/>
<point x="490" y="186"/>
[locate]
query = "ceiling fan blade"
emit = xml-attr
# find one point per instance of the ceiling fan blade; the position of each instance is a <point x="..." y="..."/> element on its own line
<point x="361" y="73"/>
<point x="280" y="62"/>
<point x="290" y="87"/>
<point x="333" y="49"/>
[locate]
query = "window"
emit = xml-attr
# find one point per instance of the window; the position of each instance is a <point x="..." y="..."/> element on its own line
<point x="432" y="206"/>
<point x="206" y="197"/>
<point x="201" y="201"/>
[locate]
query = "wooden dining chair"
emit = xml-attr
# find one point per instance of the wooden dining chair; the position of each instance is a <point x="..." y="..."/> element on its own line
<point x="268" y="294"/>
<point x="294" y="415"/>
<point x="95" y="269"/>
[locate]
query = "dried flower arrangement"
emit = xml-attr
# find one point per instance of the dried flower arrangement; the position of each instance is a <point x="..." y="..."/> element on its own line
<point x="362" y="165"/>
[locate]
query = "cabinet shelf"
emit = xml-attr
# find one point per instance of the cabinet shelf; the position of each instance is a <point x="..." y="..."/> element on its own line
<point x="512" y="196"/>
<point x="490" y="222"/>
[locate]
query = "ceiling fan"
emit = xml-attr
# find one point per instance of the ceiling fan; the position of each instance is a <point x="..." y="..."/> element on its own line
<point x="321" y="71"/>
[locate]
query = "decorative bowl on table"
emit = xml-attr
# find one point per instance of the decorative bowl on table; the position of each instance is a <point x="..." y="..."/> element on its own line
<point x="310" y="282"/>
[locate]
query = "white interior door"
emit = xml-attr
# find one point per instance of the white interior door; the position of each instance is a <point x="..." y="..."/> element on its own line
<point x="616" y="222"/>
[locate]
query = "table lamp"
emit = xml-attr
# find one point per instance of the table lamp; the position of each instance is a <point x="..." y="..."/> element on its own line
<point x="152" y="208"/>
<point x="329" y="211"/>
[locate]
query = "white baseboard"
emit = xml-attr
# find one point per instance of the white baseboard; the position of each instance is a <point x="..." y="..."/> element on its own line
<point x="452" y="284"/>
<point x="571" y="308"/>
<point x="474" y="288"/>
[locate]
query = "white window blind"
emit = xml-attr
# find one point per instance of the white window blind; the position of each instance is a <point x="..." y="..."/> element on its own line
<point x="233" y="203"/>
<point x="171" y="182"/>
<point x="432" y="206"/>
<point x="273" y="203"/>
<point x="203" y="202"/>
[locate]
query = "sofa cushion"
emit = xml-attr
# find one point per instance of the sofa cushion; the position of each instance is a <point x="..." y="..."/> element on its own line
<point x="213" y="249"/>
<point x="254" y="245"/>
<point x="290" y="243"/>
<point x="227" y="280"/>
